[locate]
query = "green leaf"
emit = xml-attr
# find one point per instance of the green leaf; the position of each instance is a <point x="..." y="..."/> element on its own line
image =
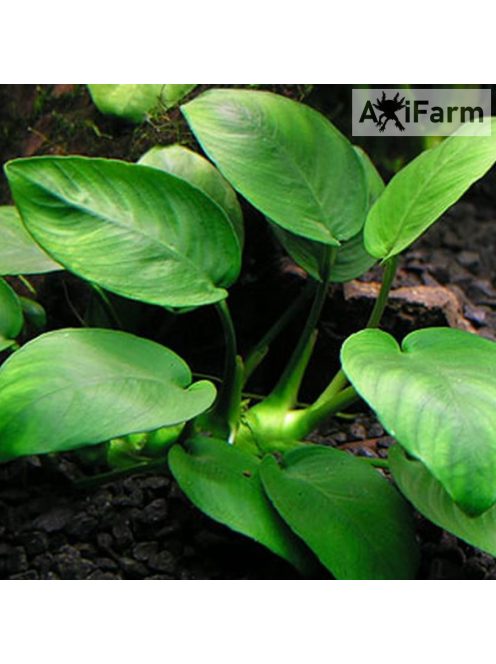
<point x="130" y="102"/>
<point x="132" y="229"/>
<point x="352" y="260"/>
<point x="133" y="102"/>
<point x="419" y="194"/>
<point x="11" y="318"/>
<point x="436" y="395"/>
<point x="173" y="93"/>
<point x="429" y="497"/>
<point x="223" y="481"/>
<point x="352" y="518"/>
<point x="199" y="172"/>
<point x="288" y="160"/>
<point x="34" y="313"/>
<point x="19" y="253"/>
<point x="71" y="388"/>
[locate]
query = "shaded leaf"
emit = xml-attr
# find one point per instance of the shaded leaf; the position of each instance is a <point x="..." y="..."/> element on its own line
<point x="198" y="171"/>
<point x="436" y="395"/>
<point x="11" y="319"/>
<point x="223" y="481"/>
<point x="351" y="517"/>
<point x="429" y="497"/>
<point x="71" y="388"/>
<point x="352" y="260"/>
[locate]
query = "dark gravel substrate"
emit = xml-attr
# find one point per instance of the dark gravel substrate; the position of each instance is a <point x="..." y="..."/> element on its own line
<point x="141" y="527"/>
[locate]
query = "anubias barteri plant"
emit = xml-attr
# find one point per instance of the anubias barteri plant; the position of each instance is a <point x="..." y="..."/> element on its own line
<point x="169" y="231"/>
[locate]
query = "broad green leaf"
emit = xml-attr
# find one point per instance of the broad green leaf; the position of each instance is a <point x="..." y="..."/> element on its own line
<point x="425" y="188"/>
<point x="352" y="260"/>
<point x="128" y="101"/>
<point x="19" y="253"/>
<point x="288" y="160"/>
<point x="71" y="388"/>
<point x="352" y="518"/>
<point x="436" y="395"/>
<point x="223" y="481"/>
<point x="429" y="497"/>
<point x="132" y="229"/>
<point x="11" y="319"/>
<point x="198" y="171"/>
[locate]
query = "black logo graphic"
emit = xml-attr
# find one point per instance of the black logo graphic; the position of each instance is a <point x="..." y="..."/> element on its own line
<point x="388" y="109"/>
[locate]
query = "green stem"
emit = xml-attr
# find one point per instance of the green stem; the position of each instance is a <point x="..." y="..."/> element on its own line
<point x="28" y="284"/>
<point x="390" y="267"/>
<point x="303" y="422"/>
<point x="258" y="352"/>
<point x="225" y="414"/>
<point x="340" y="381"/>
<point x="286" y="391"/>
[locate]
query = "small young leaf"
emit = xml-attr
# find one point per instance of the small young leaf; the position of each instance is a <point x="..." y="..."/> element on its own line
<point x="351" y="260"/>
<point x="173" y="93"/>
<point x="132" y="229"/>
<point x="419" y="194"/>
<point x="429" y="497"/>
<point x="288" y="160"/>
<point x="11" y="319"/>
<point x="198" y="171"/>
<point x="71" y="388"/>
<point x="352" y="518"/>
<point x="436" y="395"/>
<point x="19" y="253"/>
<point x="223" y="481"/>
<point x="133" y="102"/>
<point x="34" y="313"/>
<point x="127" y="101"/>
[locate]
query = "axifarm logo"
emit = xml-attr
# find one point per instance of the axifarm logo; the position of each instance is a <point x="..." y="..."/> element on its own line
<point x="421" y="111"/>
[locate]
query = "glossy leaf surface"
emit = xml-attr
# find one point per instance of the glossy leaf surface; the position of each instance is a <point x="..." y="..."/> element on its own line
<point x="429" y="497"/>
<point x="288" y="160"/>
<point x="436" y="395"/>
<point x="352" y="518"/>
<point x="223" y="481"/>
<point x="19" y="253"/>
<point x="71" y="388"/>
<point x="425" y="188"/>
<point x="132" y="229"/>
<point x="198" y="171"/>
